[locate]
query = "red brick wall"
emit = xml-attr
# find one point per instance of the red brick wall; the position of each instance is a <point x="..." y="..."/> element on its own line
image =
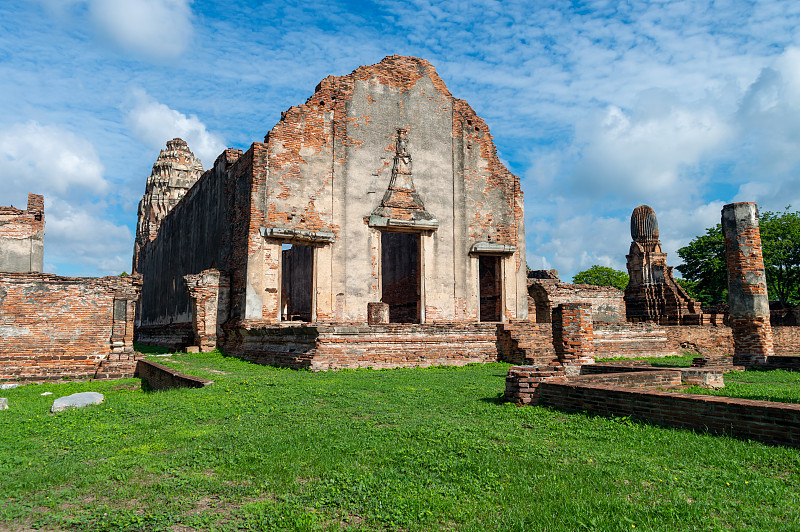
<point x="758" y="420"/>
<point x="608" y="304"/>
<point x="53" y="327"/>
<point x="389" y="346"/>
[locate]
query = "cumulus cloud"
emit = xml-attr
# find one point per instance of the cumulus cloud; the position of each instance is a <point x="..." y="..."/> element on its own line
<point x="42" y="158"/>
<point x="649" y="151"/>
<point x="160" y="29"/>
<point x="65" y="168"/>
<point x="82" y="236"/>
<point x="154" y="124"/>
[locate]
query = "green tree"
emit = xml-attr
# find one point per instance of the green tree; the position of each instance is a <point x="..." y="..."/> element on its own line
<point x="602" y="276"/>
<point x="704" y="267"/>
<point x="704" y="260"/>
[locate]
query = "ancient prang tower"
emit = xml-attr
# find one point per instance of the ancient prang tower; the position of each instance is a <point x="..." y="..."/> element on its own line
<point x="174" y="172"/>
<point x="652" y="293"/>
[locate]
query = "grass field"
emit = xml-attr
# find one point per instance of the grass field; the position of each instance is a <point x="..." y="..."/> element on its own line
<point x="429" y="449"/>
<point x="775" y="385"/>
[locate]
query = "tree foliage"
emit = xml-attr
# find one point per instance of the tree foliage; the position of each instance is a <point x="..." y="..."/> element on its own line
<point x="704" y="260"/>
<point x="602" y="276"/>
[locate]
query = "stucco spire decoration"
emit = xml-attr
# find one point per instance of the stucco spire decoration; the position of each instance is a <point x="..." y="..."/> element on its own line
<point x="401" y="205"/>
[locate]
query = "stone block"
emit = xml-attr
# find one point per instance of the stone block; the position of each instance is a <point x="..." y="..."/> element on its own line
<point x="77" y="400"/>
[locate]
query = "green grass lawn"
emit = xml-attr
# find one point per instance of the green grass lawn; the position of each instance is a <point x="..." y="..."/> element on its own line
<point x="425" y="449"/>
<point x="774" y="385"/>
<point x="682" y="361"/>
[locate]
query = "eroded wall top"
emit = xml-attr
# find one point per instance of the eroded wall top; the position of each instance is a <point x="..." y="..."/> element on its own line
<point x="22" y="237"/>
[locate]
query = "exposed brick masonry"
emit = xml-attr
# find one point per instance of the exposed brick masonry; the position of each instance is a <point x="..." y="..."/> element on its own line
<point x="54" y="327"/>
<point x="573" y="335"/>
<point x="747" y="284"/>
<point x="22" y="237"/>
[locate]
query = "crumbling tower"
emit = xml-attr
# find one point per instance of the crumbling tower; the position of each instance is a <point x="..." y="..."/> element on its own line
<point x="652" y="293"/>
<point x="174" y="172"/>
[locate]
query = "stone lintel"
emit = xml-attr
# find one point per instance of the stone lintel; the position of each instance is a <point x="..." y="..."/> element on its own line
<point x="418" y="225"/>
<point x="493" y="248"/>
<point x="285" y="233"/>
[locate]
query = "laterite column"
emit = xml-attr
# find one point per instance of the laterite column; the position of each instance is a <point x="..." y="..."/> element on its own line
<point x="747" y="285"/>
<point x="573" y="336"/>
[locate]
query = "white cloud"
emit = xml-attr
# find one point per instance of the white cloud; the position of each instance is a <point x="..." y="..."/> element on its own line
<point x="649" y="151"/>
<point x="158" y="29"/>
<point x="79" y="235"/>
<point x="154" y="124"/>
<point x="48" y="160"/>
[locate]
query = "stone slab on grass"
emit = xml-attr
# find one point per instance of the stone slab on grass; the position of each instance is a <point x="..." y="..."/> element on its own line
<point x="77" y="400"/>
<point x="3" y="403"/>
<point x="8" y="385"/>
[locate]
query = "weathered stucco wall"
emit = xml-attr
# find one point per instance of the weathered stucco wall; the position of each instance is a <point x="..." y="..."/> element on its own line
<point x="327" y="166"/>
<point x="202" y="231"/>
<point x="22" y="237"/>
<point x="52" y="326"/>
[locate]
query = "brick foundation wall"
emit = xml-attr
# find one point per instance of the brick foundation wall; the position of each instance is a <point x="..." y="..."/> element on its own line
<point x="54" y="327"/>
<point x="633" y="379"/>
<point x="389" y="346"/>
<point x="706" y="340"/>
<point x="161" y="377"/>
<point x="777" y="423"/>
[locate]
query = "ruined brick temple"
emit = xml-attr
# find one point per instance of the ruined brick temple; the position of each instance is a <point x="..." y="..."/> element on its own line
<point x="52" y="327"/>
<point x="375" y="225"/>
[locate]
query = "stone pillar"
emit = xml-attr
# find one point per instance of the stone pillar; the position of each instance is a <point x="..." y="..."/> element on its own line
<point x="377" y="313"/>
<point x="209" y="292"/>
<point x="573" y="336"/>
<point x="747" y="285"/>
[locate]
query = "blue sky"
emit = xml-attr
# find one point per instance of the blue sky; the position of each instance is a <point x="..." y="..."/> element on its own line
<point x="597" y="106"/>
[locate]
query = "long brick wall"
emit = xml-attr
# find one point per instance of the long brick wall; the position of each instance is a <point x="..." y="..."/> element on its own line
<point x="54" y="327"/>
<point x="390" y="346"/>
<point x="764" y="421"/>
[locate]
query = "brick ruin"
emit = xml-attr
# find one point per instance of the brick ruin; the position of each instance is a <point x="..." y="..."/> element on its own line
<point x="22" y="237"/>
<point x="652" y="293"/>
<point x="52" y="326"/>
<point x="381" y="188"/>
<point x="747" y="285"/>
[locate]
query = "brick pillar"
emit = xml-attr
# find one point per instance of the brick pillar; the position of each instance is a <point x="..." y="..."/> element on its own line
<point x="377" y="313"/>
<point x="573" y="336"/>
<point x="209" y="292"/>
<point x="747" y="285"/>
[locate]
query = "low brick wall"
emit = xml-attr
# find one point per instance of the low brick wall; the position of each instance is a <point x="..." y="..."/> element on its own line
<point x="161" y="377"/>
<point x="632" y="340"/>
<point x="786" y="340"/>
<point x="789" y="363"/>
<point x="52" y="327"/>
<point x="777" y="423"/>
<point x="633" y="379"/>
<point x="319" y="347"/>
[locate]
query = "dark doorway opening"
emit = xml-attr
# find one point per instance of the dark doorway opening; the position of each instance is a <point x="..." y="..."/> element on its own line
<point x="489" y="288"/>
<point x="400" y="274"/>
<point x="297" y="282"/>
